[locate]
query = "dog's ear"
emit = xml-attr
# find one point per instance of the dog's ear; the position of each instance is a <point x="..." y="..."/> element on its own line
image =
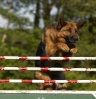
<point x="80" y="24"/>
<point x="61" y="22"/>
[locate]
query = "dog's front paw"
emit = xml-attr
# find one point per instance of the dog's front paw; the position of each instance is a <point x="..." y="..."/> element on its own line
<point x="66" y="49"/>
<point x="63" y="47"/>
<point x="73" y="50"/>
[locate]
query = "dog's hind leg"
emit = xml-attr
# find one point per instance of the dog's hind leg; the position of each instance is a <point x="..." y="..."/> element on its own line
<point x="61" y="76"/>
<point x="61" y="86"/>
<point x="42" y="76"/>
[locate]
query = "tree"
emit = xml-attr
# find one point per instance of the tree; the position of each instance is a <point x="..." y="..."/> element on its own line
<point x="37" y="14"/>
<point x="9" y="12"/>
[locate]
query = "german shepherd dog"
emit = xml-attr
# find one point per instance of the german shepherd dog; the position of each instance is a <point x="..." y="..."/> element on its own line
<point x="58" y="40"/>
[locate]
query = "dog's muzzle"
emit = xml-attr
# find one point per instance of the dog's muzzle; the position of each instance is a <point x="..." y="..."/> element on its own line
<point x="72" y="39"/>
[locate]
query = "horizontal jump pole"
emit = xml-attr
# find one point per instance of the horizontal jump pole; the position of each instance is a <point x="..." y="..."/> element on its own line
<point x="47" y="69"/>
<point x="45" y="81"/>
<point x="46" y="58"/>
<point x="49" y="91"/>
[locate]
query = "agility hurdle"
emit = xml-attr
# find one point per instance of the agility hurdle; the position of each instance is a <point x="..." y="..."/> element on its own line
<point x="46" y="58"/>
<point x="44" y="81"/>
<point x="46" y="69"/>
<point x="42" y="94"/>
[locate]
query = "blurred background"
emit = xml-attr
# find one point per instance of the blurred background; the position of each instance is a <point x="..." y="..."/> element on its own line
<point x="22" y="23"/>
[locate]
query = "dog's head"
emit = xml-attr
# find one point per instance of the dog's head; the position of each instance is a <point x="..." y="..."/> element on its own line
<point x="69" y="30"/>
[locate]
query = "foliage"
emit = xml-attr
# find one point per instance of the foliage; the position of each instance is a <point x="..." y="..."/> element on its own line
<point x="18" y="43"/>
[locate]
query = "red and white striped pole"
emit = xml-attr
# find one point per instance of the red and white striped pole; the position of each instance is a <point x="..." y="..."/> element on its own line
<point x="46" y="58"/>
<point x="47" y="69"/>
<point x="45" y="81"/>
